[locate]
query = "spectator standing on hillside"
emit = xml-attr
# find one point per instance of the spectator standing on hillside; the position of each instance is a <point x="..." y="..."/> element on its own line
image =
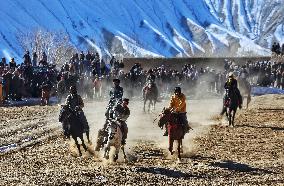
<point x="1" y="92"/>
<point x="89" y="56"/>
<point x="27" y="58"/>
<point x="12" y="64"/>
<point x="34" y="60"/>
<point x="3" y="62"/>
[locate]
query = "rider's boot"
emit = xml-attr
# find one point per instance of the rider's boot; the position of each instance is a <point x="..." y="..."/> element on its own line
<point x="123" y="141"/>
<point x="124" y="130"/>
<point x="186" y="128"/>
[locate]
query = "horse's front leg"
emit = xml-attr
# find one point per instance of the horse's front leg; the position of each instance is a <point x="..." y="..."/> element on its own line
<point x="230" y="117"/>
<point x="233" y="118"/>
<point x="107" y="148"/>
<point x="149" y="105"/>
<point x="83" y="143"/>
<point x="171" y="141"/>
<point x="248" y="100"/>
<point x="179" y="149"/>
<point x="123" y="151"/>
<point x="227" y="114"/>
<point x="77" y="144"/>
<point x="88" y="136"/>
<point x="144" y="104"/>
<point x="115" y="158"/>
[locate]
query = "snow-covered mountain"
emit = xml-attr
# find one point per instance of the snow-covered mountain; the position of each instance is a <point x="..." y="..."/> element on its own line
<point x="169" y="28"/>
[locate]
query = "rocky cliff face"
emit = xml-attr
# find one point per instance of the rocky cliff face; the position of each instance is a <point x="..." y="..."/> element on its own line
<point x="169" y="28"/>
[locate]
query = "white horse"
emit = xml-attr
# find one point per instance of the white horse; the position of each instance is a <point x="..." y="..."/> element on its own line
<point x="114" y="139"/>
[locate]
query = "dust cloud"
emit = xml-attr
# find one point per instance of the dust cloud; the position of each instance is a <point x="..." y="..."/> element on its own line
<point x="141" y="125"/>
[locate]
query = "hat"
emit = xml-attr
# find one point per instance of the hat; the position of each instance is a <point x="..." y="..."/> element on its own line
<point x="126" y="100"/>
<point x="73" y="89"/>
<point x="231" y="74"/>
<point x="116" y="80"/>
<point x="178" y="89"/>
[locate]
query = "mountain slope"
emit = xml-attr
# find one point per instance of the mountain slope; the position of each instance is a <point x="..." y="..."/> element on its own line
<point x="166" y="28"/>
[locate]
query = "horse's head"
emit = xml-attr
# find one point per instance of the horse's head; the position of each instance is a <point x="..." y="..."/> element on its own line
<point x="164" y="117"/>
<point x="64" y="113"/>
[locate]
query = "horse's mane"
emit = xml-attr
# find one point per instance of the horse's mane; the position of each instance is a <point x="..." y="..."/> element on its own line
<point x="164" y="117"/>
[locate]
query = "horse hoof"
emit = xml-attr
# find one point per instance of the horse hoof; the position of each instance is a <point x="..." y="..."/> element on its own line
<point x="125" y="160"/>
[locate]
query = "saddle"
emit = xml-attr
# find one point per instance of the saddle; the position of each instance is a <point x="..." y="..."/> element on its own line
<point x="148" y="87"/>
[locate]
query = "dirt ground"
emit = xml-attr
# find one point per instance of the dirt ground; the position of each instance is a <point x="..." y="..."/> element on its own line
<point x="33" y="151"/>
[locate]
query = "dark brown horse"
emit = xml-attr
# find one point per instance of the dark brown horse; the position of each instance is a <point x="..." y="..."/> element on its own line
<point x="150" y="93"/>
<point x="231" y="104"/>
<point x="73" y="125"/>
<point x="175" y="130"/>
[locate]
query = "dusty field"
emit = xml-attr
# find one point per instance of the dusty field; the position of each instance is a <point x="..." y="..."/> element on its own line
<point x="249" y="154"/>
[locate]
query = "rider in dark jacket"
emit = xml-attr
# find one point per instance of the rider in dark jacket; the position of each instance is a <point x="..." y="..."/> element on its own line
<point x="116" y="94"/>
<point x="75" y="103"/>
<point x="232" y="86"/>
<point x="150" y="79"/>
<point x="121" y="113"/>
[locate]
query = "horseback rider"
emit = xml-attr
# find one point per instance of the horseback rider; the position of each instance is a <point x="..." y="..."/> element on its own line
<point x="116" y="94"/>
<point x="75" y="103"/>
<point x="121" y="113"/>
<point x="232" y="86"/>
<point x="178" y="105"/>
<point x="150" y="79"/>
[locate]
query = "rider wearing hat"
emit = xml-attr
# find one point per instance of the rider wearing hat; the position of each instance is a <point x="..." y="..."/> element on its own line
<point x="150" y="79"/>
<point x="75" y="103"/>
<point x="231" y="82"/>
<point x="115" y="94"/>
<point x="121" y="113"/>
<point x="178" y="105"/>
<point x="232" y="85"/>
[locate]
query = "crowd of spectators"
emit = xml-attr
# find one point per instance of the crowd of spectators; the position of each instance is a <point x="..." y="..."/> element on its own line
<point x="277" y="49"/>
<point x="93" y="77"/>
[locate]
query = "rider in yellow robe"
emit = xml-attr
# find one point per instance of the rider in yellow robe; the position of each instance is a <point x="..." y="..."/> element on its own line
<point x="178" y="105"/>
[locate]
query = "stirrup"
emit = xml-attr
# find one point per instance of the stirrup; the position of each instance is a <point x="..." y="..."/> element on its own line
<point x="166" y="133"/>
<point x="123" y="142"/>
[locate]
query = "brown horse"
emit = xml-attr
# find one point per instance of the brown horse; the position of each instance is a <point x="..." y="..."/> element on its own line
<point x="175" y="129"/>
<point x="245" y="90"/>
<point x="150" y="93"/>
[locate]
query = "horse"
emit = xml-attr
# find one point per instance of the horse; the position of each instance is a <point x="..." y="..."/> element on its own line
<point x="72" y="126"/>
<point x="114" y="137"/>
<point x="245" y="90"/>
<point x="45" y="95"/>
<point x="150" y="93"/>
<point x="175" y="129"/>
<point x="231" y="103"/>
